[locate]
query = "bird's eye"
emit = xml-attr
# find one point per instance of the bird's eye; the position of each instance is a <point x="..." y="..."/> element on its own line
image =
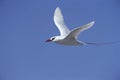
<point x="53" y="38"/>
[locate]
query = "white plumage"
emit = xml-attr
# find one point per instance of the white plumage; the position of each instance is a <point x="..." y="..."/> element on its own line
<point x="66" y="36"/>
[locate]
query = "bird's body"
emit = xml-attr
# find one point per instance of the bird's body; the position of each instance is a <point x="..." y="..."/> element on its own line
<point x="64" y="41"/>
<point x="67" y="37"/>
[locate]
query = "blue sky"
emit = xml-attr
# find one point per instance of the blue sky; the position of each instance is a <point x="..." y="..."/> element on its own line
<point x="26" y="24"/>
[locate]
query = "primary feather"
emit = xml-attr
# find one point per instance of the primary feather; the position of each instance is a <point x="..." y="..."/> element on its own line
<point x="59" y="21"/>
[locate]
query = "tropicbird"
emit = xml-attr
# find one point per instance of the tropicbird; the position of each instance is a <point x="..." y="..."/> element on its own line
<point x="67" y="37"/>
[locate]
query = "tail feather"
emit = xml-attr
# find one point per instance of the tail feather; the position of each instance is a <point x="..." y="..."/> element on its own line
<point x="103" y="43"/>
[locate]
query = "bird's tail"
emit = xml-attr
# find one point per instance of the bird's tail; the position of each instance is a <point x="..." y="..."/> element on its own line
<point x="102" y="43"/>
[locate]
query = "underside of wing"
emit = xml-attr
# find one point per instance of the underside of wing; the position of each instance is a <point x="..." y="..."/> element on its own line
<point x="59" y="21"/>
<point x="75" y="32"/>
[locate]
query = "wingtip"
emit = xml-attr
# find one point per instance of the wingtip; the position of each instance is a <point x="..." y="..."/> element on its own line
<point x="93" y="22"/>
<point x="58" y="12"/>
<point x="57" y="8"/>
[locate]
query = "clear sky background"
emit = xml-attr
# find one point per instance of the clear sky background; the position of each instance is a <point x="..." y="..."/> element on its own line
<point x="26" y="24"/>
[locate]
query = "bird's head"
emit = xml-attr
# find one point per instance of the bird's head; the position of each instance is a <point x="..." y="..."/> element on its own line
<point x="55" y="39"/>
<point x="51" y="39"/>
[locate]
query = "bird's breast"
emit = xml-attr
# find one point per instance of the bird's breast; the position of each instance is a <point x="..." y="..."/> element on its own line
<point x="68" y="42"/>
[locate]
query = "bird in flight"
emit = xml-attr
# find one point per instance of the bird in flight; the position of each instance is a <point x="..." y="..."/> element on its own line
<point x="68" y="37"/>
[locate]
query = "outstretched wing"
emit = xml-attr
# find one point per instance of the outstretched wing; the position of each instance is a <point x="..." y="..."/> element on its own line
<point x="75" y="32"/>
<point x="59" y="21"/>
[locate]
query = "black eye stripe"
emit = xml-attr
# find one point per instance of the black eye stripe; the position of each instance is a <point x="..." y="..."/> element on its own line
<point x="53" y="38"/>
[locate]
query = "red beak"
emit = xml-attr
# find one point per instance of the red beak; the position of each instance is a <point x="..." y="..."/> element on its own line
<point x="48" y="40"/>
